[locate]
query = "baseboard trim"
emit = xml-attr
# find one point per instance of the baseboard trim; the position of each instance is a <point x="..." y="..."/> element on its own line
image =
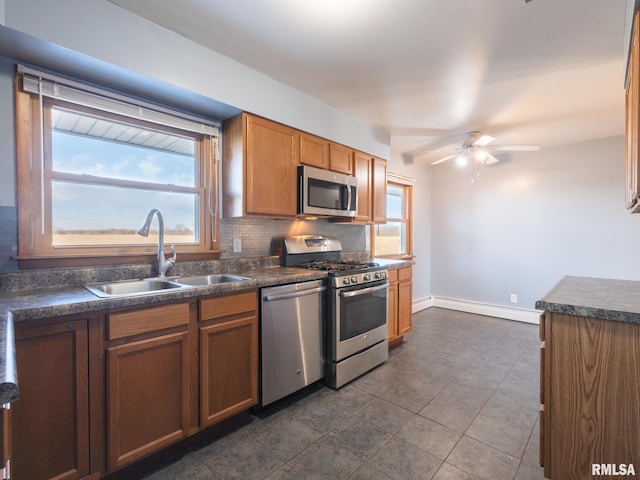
<point x="421" y="304"/>
<point x="500" y="311"/>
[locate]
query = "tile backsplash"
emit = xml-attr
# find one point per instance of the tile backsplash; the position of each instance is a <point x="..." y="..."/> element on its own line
<point x="263" y="237"/>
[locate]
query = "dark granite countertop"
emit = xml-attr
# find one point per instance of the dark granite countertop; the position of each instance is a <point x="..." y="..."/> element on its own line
<point x="393" y="263"/>
<point x="608" y="299"/>
<point x="45" y="303"/>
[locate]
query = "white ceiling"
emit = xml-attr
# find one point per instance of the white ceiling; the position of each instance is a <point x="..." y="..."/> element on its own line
<point x="428" y="71"/>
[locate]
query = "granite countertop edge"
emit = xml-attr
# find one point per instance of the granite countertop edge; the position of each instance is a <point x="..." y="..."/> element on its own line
<point x="608" y="299"/>
<point x="39" y="304"/>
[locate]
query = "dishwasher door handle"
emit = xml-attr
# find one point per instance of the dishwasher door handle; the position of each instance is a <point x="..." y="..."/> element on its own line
<point x="301" y="293"/>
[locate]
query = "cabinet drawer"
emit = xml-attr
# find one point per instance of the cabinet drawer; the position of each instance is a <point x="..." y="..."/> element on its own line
<point x="147" y="320"/>
<point x="404" y="274"/>
<point x="393" y="275"/>
<point x="227" y="305"/>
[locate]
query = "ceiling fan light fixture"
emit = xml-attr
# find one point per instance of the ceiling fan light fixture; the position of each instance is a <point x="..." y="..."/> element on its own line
<point x="480" y="155"/>
<point x="462" y="160"/>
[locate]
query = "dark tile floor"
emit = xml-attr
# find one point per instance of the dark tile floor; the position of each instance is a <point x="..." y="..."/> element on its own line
<point x="457" y="400"/>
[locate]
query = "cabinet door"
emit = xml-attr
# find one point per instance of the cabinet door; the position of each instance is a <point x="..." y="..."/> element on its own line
<point x="362" y="171"/>
<point x="632" y="123"/>
<point x="50" y="421"/>
<point x="340" y="158"/>
<point x="314" y="151"/>
<point x="228" y="368"/>
<point x="272" y="157"/>
<point x="5" y="440"/>
<point x="404" y="307"/>
<point x="379" y="186"/>
<point x="393" y="311"/>
<point x="147" y="391"/>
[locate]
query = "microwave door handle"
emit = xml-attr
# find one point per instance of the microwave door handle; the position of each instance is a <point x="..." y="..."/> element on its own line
<point x="348" y="198"/>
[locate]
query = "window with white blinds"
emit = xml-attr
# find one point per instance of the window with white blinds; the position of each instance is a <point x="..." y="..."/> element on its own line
<point x="95" y="164"/>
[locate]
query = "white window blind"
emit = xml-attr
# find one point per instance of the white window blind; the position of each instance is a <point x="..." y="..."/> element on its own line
<point x="49" y="85"/>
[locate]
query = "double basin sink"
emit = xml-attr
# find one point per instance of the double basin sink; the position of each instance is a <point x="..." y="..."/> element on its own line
<point x="129" y="288"/>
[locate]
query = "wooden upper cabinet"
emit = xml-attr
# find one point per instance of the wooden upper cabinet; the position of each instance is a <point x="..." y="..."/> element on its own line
<point x="371" y="173"/>
<point x="632" y="124"/>
<point x="321" y="153"/>
<point x="379" y="186"/>
<point x="314" y="151"/>
<point x="362" y="171"/>
<point x="259" y="168"/>
<point x="340" y="158"/>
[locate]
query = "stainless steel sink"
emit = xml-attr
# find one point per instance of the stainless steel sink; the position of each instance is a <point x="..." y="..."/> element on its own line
<point x="130" y="288"/>
<point x="201" y="280"/>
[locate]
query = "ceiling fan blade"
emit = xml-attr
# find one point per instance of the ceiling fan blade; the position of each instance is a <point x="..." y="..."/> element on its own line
<point x="483" y="141"/>
<point x="445" y="159"/>
<point x="516" y="148"/>
<point x="490" y="160"/>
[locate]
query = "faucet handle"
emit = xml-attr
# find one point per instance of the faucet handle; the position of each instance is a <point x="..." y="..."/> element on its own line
<point x="171" y="261"/>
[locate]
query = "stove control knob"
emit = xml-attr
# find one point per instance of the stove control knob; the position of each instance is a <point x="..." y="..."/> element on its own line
<point x="377" y="275"/>
<point x="346" y="281"/>
<point x="354" y="279"/>
<point x="383" y="274"/>
<point x="366" y="277"/>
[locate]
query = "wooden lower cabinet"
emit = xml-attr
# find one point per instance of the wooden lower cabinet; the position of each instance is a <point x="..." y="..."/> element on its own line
<point x="590" y="393"/>
<point x="147" y="382"/>
<point x="51" y="420"/>
<point x="148" y="400"/>
<point x="399" y="299"/>
<point x="149" y="373"/>
<point x="228" y="356"/>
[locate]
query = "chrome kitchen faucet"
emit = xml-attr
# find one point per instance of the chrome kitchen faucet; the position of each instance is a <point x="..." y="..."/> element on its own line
<point x="163" y="264"/>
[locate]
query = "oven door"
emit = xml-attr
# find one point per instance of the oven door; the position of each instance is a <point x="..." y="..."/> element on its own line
<point x="360" y="318"/>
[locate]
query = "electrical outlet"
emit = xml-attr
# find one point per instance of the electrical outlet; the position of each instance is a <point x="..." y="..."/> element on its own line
<point x="237" y="245"/>
<point x="514" y="298"/>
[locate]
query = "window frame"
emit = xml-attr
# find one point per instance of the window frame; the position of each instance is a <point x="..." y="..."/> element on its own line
<point x="34" y="187"/>
<point x="406" y="184"/>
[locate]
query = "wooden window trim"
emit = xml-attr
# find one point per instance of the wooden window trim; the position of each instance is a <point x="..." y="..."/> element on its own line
<point x="406" y="184"/>
<point x="35" y="250"/>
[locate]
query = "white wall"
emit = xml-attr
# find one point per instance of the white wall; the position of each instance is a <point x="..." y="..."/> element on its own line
<point x="104" y="31"/>
<point x="531" y="219"/>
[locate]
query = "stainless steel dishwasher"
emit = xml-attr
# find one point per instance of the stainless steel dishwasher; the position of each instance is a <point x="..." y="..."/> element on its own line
<point x="292" y="338"/>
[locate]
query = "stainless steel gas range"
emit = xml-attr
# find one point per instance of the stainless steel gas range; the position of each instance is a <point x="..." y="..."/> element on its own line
<point x="356" y="321"/>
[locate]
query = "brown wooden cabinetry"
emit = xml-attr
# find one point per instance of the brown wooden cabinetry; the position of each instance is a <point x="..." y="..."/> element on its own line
<point x="259" y="167"/>
<point x="399" y="320"/>
<point x="228" y="355"/>
<point x="147" y="381"/>
<point x="340" y="158"/>
<point x="632" y="128"/>
<point x="321" y="153"/>
<point x="5" y="441"/>
<point x="590" y="395"/>
<point x="50" y="428"/>
<point x="371" y="173"/>
<point x="314" y="151"/>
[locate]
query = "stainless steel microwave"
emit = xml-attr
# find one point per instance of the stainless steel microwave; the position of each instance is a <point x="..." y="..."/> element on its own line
<point x="326" y="193"/>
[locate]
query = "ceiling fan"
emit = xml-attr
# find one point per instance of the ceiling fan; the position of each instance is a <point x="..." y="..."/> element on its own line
<point x="478" y="147"/>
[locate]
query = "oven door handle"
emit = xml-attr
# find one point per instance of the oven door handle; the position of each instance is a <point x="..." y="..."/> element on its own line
<point x="301" y="293"/>
<point x="355" y="293"/>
